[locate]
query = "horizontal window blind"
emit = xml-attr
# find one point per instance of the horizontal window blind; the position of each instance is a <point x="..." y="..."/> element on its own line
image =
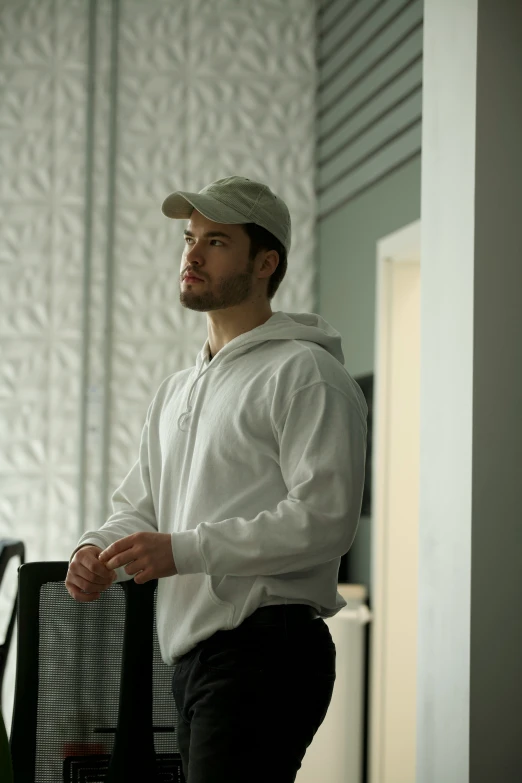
<point x="369" y="101"/>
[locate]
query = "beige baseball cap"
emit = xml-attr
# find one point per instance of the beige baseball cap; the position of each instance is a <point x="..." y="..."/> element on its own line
<point x="234" y="200"/>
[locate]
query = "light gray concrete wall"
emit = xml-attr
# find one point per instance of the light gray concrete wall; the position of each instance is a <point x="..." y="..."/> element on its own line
<point x="470" y="554"/>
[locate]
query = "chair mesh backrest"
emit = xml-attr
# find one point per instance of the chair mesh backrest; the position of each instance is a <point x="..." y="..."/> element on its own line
<point x="79" y="663"/>
<point x="79" y="672"/>
<point x="164" y="713"/>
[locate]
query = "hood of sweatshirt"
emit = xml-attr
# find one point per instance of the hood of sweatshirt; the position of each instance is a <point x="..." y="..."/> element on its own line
<point x="280" y="326"/>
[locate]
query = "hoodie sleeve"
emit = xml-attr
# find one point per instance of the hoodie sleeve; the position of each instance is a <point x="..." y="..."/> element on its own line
<point x="322" y="442"/>
<point x="132" y="503"/>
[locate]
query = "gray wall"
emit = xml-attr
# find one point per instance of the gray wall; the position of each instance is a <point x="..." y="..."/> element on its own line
<point x="469" y="687"/>
<point x="496" y="619"/>
<point x="368" y="160"/>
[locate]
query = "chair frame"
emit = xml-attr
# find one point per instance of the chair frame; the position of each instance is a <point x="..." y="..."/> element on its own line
<point x="134" y="728"/>
<point x="9" y="547"/>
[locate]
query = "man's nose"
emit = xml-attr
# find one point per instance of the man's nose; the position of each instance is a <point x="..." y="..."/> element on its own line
<point x="194" y="252"/>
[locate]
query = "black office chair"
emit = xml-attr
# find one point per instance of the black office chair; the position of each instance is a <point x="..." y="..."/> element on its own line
<point x="93" y="700"/>
<point x="9" y="547"/>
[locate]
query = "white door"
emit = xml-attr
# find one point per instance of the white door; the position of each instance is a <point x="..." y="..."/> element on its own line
<point x="395" y="482"/>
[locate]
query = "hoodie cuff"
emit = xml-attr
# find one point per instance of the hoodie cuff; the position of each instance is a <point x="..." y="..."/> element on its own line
<point x="187" y="556"/>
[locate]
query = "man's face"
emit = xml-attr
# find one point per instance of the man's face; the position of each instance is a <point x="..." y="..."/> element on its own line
<point x="217" y="253"/>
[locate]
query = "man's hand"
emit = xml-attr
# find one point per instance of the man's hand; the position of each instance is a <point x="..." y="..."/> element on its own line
<point x="148" y="555"/>
<point x="86" y="577"/>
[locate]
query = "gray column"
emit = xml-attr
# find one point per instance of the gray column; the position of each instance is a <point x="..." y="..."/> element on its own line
<point x="469" y="697"/>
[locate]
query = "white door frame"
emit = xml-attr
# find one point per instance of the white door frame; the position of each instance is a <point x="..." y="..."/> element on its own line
<point x="390" y="761"/>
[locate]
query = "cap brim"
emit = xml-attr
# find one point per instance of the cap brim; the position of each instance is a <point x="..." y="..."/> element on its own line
<point x="181" y="203"/>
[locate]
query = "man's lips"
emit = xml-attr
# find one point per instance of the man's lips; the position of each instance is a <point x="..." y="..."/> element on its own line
<point x="192" y="279"/>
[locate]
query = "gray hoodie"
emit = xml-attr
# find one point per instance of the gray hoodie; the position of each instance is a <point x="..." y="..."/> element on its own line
<point x="253" y="462"/>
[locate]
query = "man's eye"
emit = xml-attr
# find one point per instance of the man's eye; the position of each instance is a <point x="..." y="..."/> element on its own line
<point x="190" y="239"/>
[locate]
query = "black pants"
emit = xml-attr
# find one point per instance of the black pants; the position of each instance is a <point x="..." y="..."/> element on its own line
<point x="250" y="700"/>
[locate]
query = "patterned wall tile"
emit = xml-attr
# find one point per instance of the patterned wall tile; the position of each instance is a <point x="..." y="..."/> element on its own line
<point x="23" y="504"/>
<point x="27" y="103"/>
<point x="71" y="30"/>
<point x="68" y="240"/>
<point x="144" y="166"/>
<point x="24" y="302"/>
<point x="153" y="36"/>
<point x="25" y="235"/>
<point x="25" y="451"/>
<point x="234" y="48"/>
<point x="27" y="32"/>
<point x="26" y="165"/>
<point x="146" y="239"/>
<point x="24" y="369"/>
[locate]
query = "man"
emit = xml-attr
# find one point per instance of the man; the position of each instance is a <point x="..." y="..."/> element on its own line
<point x="246" y="493"/>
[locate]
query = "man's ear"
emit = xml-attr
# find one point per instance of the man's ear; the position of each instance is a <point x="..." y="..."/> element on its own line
<point x="271" y="259"/>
